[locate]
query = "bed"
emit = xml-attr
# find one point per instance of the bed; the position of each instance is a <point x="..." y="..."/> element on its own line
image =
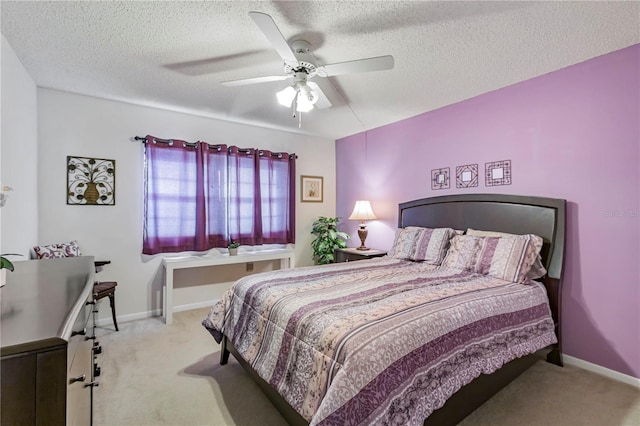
<point x="395" y="340"/>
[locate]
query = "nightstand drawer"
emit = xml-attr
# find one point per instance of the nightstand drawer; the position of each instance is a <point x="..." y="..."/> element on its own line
<point x="353" y="254"/>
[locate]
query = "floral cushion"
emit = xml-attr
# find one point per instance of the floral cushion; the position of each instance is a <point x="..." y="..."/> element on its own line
<point x="53" y="251"/>
<point x="506" y="258"/>
<point x="404" y="243"/>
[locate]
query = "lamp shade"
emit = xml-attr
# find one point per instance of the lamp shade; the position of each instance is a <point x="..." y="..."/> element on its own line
<point x="285" y="97"/>
<point x="302" y="93"/>
<point x="362" y="211"/>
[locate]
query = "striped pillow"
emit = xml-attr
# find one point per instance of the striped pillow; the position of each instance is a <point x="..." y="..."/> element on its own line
<point x="431" y="244"/>
<point x="537" y="269"/>
<point x="506" y="258"/>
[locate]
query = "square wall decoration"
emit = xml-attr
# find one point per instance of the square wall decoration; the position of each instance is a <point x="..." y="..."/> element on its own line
<point x="440" y="178"/>
<point x="91" y="181"/>
<point x="467" y="176"/>
<point x="497" y="173"/>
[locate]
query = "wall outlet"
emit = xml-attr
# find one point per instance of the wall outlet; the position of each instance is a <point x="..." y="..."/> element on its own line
<point x="249" y="266"/>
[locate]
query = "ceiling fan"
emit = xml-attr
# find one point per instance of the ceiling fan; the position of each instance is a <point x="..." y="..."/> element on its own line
<point x="300" y="64"/>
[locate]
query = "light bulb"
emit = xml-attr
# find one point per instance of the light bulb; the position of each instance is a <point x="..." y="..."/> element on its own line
<point x="306" y="98"/>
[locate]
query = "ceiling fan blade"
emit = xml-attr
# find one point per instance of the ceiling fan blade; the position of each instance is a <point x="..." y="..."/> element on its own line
<point x="323" y="101"/>
<point x="360" y="65"/>
<point x="255" y="80"/>
<point x="275" y="37"/>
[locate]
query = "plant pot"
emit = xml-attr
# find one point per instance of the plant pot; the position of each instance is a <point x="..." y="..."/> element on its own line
<point x="233" y="251"/>
<point x="3" y="277"/>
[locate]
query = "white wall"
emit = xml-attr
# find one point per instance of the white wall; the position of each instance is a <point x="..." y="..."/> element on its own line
<point x="70" y="124"/>
<point x="18" y="156"/>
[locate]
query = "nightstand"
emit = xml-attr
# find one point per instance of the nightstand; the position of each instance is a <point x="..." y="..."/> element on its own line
<point x="353" y="254"/>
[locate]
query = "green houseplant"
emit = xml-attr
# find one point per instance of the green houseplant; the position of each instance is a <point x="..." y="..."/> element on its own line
<point x="233" y="248"/>
<point x="328" y="238"/>
<point x="5" y="265"/>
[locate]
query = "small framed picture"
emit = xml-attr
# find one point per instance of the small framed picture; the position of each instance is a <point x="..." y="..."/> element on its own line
<point x="497" y="173"/>
<point x="440" y="178"/>
<point x="467" y="176"/>
<point x="311" y="189"/>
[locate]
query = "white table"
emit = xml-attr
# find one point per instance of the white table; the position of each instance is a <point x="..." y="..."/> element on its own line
<point x="286" y="256"/>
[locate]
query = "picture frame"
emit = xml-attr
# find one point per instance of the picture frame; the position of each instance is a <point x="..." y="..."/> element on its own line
<point x="497" y="173"/>
<point x="440" y="178"/>
<point x="91" y="181"/>
<point x="311" y="189"/>
<point x="467" y="176"/>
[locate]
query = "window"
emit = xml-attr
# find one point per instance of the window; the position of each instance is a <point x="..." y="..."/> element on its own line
<point x="200" y="196"/>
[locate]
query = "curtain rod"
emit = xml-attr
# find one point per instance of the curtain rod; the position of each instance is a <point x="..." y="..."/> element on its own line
<point x="218" y="147"/>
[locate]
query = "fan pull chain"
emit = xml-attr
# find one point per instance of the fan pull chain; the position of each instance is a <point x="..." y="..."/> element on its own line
<point x="295" y="107"/>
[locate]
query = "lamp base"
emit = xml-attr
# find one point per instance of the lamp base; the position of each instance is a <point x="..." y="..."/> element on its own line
<point x="362" y="233"/>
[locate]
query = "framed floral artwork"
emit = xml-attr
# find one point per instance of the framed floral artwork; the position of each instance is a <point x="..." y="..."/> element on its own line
<point x="311" y="189"/>
<point x="91" y="181"/>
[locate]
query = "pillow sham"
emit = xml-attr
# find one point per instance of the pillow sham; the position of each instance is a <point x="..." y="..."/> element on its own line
<point x="55" y="251"/>
<point x="506" y="258"/>
<point x="431" y="244"/>
<point x="537" y="269"/>
<point x="404" y="243"/>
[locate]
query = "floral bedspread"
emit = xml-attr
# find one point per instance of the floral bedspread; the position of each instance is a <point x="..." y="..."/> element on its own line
<point x="380" y="341"/>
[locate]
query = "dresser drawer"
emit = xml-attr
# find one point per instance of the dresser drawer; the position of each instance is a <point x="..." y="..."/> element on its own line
<point x="80" y="364"/>
<point x="82" y="328"/>
<point x="78" y="379"/>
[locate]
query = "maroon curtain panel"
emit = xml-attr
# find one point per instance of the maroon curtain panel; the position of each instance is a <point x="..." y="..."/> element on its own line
<point x="200" y="196"/>
<point x="171" y="197"/>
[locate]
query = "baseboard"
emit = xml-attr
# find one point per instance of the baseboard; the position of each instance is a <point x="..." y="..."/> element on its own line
<point x="107" y="321"/>
<point x="603" y="371"/>
<point x="197" y="305"/>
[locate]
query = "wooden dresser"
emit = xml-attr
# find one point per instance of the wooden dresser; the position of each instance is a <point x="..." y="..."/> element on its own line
<point x="48" y="343"/>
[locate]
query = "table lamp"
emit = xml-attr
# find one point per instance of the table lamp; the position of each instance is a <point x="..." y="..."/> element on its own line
<point x="362" y="211"/>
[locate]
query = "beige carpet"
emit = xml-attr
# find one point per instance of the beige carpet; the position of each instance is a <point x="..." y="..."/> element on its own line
<point x="153" y="374"/>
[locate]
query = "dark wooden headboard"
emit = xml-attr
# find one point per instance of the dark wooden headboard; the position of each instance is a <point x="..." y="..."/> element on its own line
<point x="492" y="212"/>
<point x="504" y="213"/>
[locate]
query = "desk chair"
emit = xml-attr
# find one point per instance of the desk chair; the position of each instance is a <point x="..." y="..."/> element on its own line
<point x="71" y="249"/>
<point x="106" y="289"/>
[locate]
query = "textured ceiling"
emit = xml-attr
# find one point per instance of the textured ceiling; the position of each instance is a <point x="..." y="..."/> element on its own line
<point x="174" y="54"/>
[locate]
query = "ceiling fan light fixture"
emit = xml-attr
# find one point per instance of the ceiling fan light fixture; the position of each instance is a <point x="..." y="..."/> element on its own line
<point x="285" y="97"/>
<point x="306" y="99"/>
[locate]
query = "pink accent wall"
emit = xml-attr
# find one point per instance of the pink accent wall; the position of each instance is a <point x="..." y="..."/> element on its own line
<point x="572" y="134"/>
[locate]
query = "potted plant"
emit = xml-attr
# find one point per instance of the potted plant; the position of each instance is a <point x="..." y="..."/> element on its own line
<point x="233" y="248"/>
<point x="328" y="238"/>
<point x="5" y="265"/>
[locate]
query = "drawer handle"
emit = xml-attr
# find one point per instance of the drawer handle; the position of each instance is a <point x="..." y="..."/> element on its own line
<point x="78" y="379"/>
<point x="92" y="384"/>
<point x="81" y="333"/>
